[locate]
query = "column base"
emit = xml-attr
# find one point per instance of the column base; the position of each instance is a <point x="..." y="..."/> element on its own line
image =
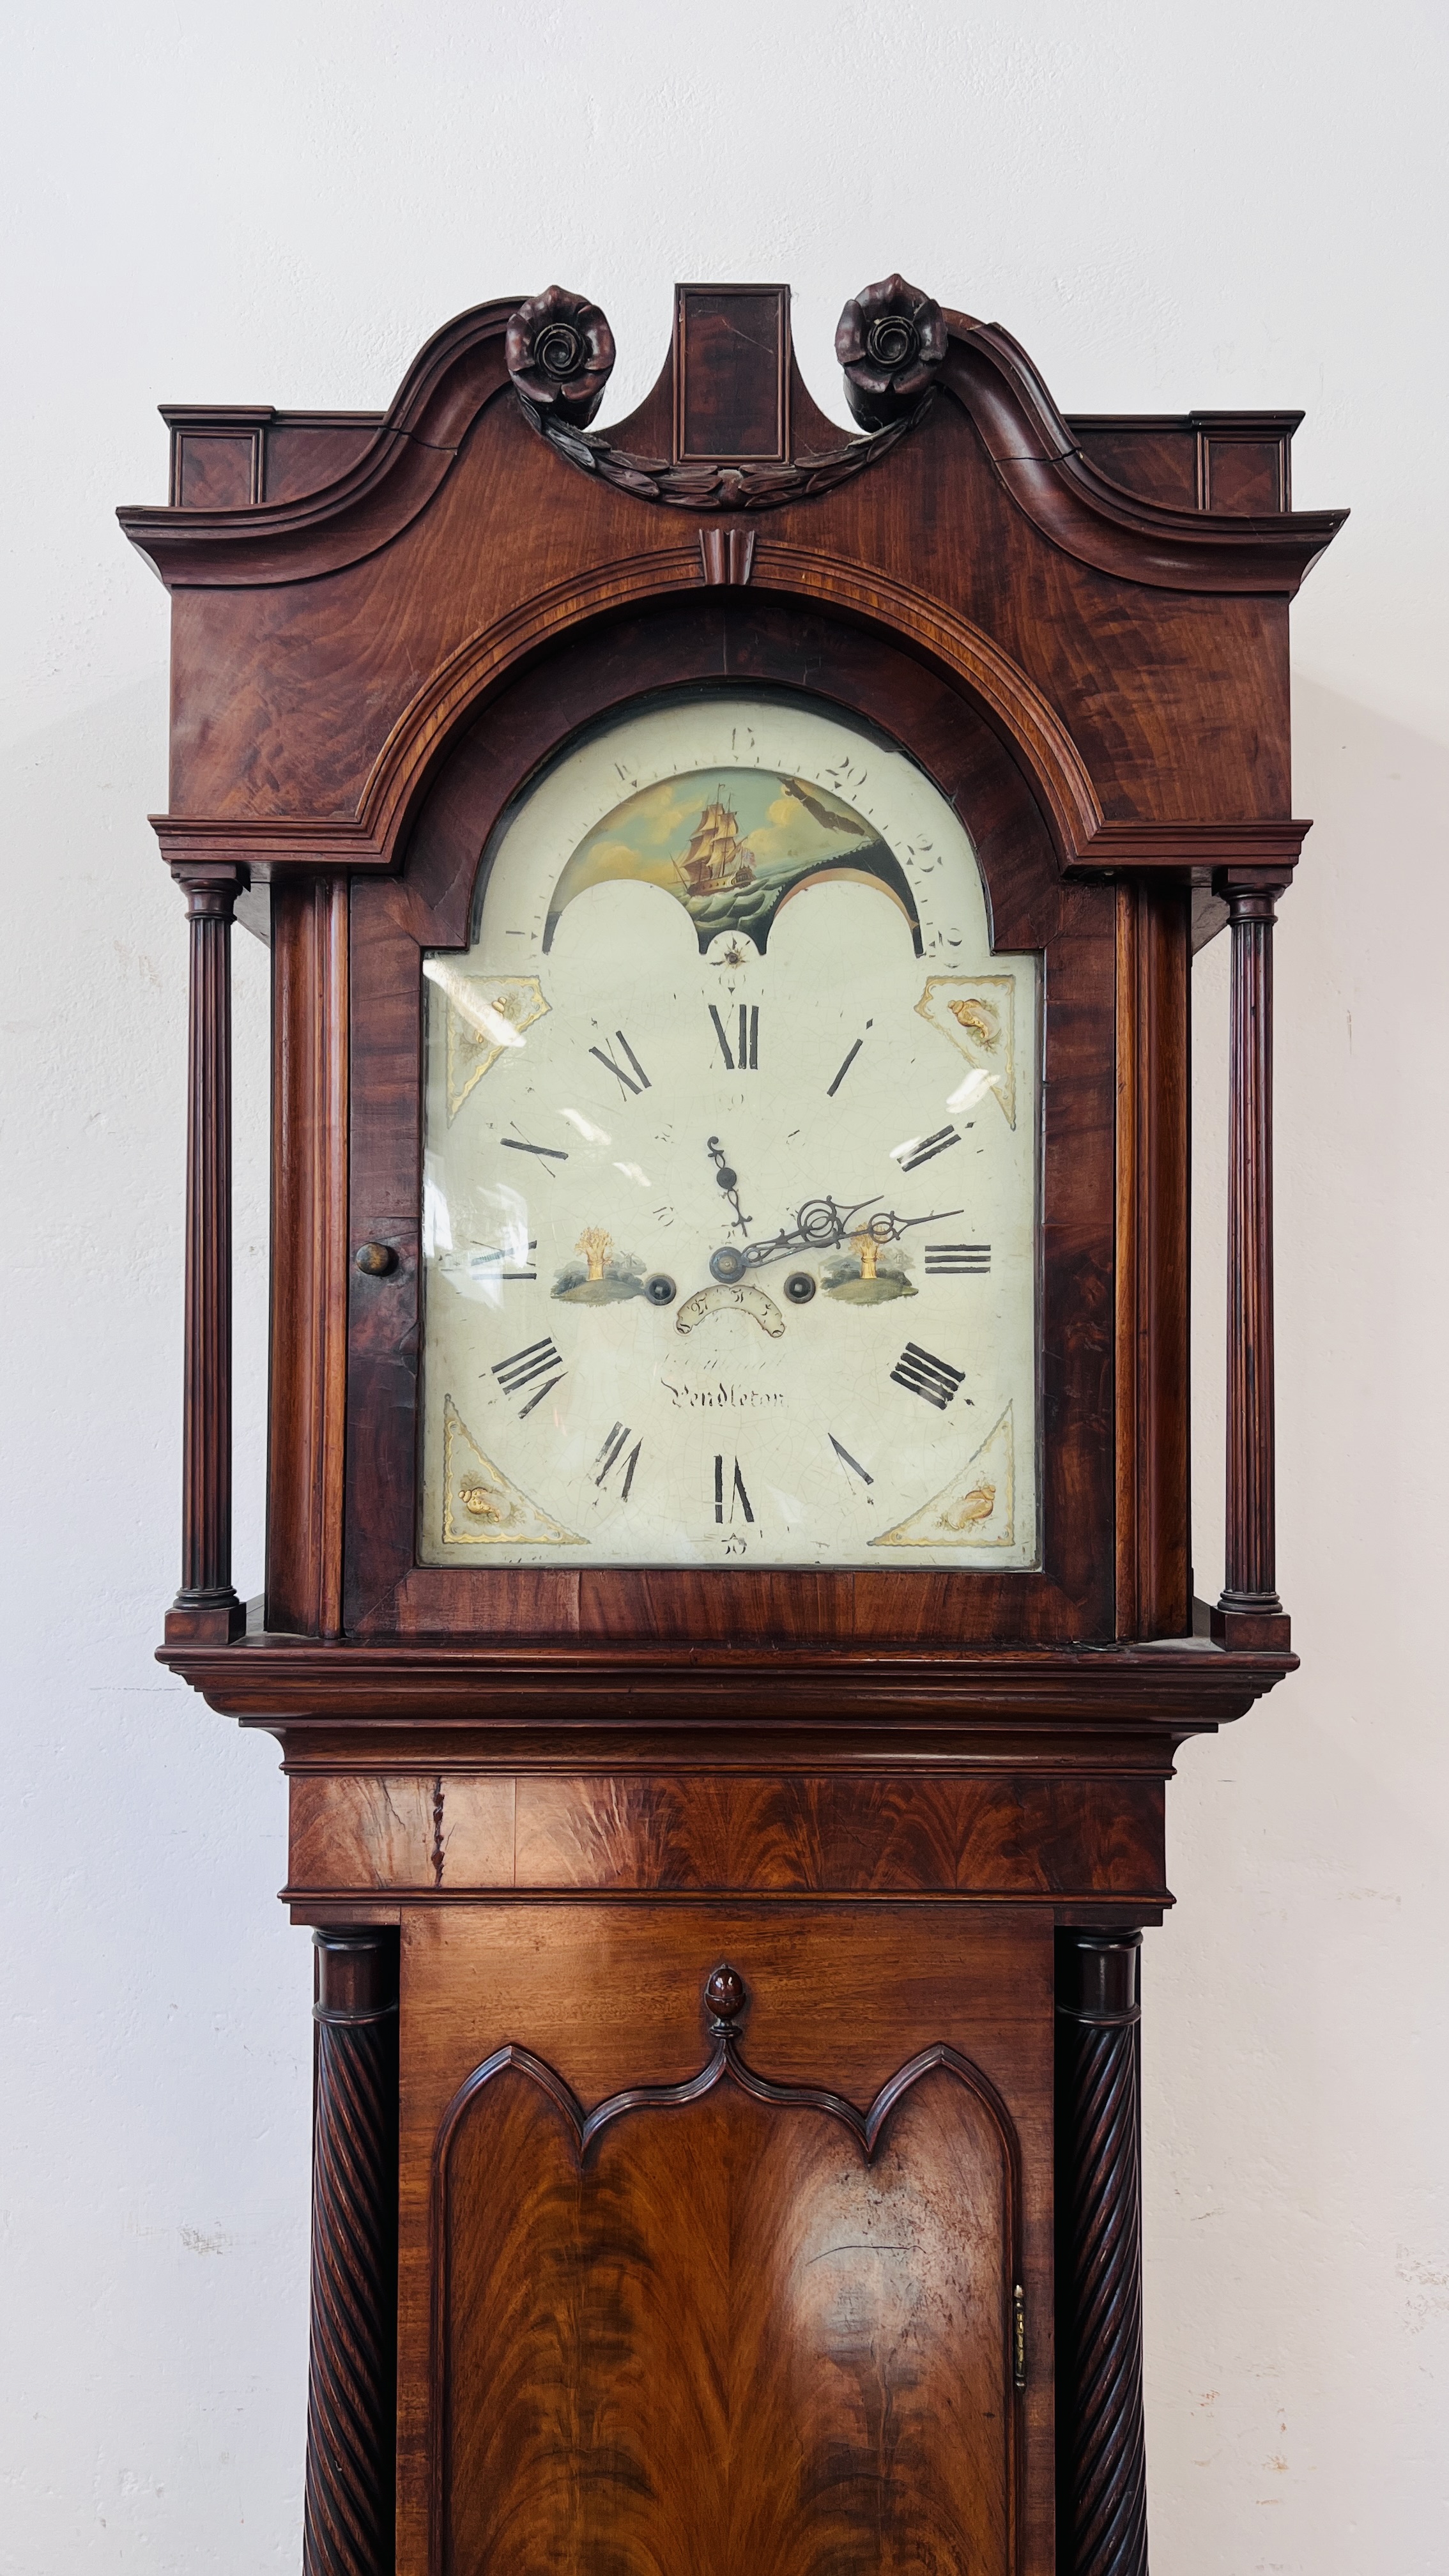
<point x="205" y="1623"/>
<point x="1240" y="1619"/>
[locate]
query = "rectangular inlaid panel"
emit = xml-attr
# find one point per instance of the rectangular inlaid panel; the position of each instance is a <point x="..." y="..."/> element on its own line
<point x="1245" y="474"/>
<point x="455" y="1834"/>
<point x="732" y="350"/>
<point x="216" y="472"/>
<point x="746" y="2327"/>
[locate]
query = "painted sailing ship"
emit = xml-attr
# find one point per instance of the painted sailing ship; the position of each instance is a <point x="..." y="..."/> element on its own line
<point x="723" y="880"/>
<point x="715" y="859"/>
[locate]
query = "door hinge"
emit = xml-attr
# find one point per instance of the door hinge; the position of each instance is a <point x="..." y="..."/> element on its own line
<point x="1018" y="2335"/>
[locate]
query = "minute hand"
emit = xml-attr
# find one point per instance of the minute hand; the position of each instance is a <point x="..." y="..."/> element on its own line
<point x="822" y="1225"/>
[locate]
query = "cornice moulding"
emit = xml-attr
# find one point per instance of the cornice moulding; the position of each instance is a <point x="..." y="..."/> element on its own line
<point x="1141" y="1692"/>
<point x="462" y="369"/>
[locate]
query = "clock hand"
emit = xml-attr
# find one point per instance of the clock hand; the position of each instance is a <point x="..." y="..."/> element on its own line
<point x="821" y="1226"/>
<point x="728" y="1181"/>
<point x="887" y="1227"/>
<point x="935" y="1216"/>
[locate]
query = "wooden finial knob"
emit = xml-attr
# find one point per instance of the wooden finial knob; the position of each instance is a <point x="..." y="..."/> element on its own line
<point x="725" y="1993"/>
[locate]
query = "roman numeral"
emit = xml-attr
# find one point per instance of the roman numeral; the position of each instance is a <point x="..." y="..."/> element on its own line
<point x="849" y="1061"/>
<point x="921" y="1373"/>
<point x="923" y="1149"/>
<point x="520" y="1145"/>
<point x="735" y="1490"/>
<point x="957" y="1260"/>
<point x="520" y="1371"/>
<point x="630" y="1084"/>
<point x="610" y="1454"/>
<point x="854" y="1463"/>
<point x="747" y="1044"/>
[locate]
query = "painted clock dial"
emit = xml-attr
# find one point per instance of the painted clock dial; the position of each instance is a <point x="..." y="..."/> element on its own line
<point x="731" y="1119"/>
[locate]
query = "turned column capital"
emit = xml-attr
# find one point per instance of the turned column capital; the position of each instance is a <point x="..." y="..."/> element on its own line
<point x="356" y="1976"/>
<point x="1251" y="894"/>
<point x="1099" y="1978"/>
<point x="1252" y="903"/>
<point x="211" y="888"/>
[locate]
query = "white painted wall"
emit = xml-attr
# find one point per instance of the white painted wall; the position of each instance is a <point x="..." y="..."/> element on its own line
<point x="1169" y="206"/>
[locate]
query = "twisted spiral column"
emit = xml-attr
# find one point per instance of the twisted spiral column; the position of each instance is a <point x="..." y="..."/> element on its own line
<point x="1101" y="2444"/>
<point x="348" y="2527"/>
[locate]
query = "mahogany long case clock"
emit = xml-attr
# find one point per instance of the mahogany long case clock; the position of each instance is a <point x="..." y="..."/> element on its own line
<point x="728" y="1616"/>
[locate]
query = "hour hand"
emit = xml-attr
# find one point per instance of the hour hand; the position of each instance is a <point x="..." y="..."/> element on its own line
<point x="731" y="1260"/>
<point x="729" y="1181"/>
<point x="820" y="1225"/>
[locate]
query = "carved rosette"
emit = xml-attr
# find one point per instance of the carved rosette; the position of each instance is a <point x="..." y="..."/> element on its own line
<point x="560" y="354"/>
<point x="1103" y="2518"/>
<point x="890" y="340"/>
<point x="348" y="2519"/>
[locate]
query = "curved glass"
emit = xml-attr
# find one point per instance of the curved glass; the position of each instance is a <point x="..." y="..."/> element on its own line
<point x="731" y="1128"/>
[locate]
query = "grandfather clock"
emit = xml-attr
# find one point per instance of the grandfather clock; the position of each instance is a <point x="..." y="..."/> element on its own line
<point x="728" y="1618"/>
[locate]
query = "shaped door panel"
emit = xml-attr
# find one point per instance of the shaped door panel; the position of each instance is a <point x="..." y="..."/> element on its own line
<point x="739" y="2299"/>
<point x="724" y="2339"/>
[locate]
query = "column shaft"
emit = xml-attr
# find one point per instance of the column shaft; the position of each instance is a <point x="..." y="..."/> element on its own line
<point x="348" y="2525"/>
<point x="1102" y="2483"/>
<point x="206" y="1610"/>
<point x="1249" y="1612"/>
